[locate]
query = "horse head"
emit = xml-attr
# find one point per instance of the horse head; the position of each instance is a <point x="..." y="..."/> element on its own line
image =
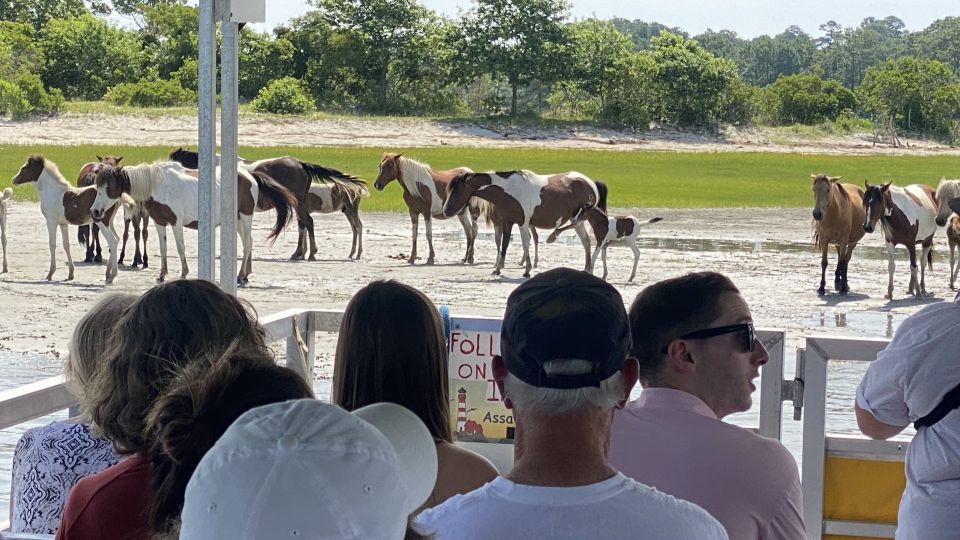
<point x="109" y="160"/>
<point x="459" y="192"/>
<point x="30" y="171"/>
<point x="877" y="202"/>
<point x="389" y="170"/>
<point x="946" y="191"/>
<point x="112" y="182"/>
<point x="822" y="184"/>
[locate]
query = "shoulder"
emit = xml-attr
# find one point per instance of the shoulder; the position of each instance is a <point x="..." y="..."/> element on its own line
<point x="470" y="463"/>
<point x="684" y="519"/>
<point x="455" y="510"/>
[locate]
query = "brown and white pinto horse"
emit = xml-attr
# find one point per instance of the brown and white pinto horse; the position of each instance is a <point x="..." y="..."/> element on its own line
<point x="169" y="192"/>
<point x="908" y="216"/>
<point x="4" y="203"/>
<point x="837" y="220"/>
<point x="87" y="238"/>
<point x="292" y="174"/>
<point x="527" y="199"/>
<point x="344" y="197"/>
<point x="424" y="191"/>
<point x="609" y="230"/>
<point x="62" y="205"/>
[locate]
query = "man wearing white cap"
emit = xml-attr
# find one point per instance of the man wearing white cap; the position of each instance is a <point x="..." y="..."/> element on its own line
<point x="309" y="470"/>
<point x="917" y="379"/>
<point x="564" y="368"/>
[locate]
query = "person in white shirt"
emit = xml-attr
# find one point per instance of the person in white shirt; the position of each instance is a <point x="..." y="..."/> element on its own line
<point x="917" y="379"/>
<point x="563" y="369"/>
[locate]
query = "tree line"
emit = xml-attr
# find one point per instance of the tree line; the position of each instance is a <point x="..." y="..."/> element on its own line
<point x="500" y="57"/>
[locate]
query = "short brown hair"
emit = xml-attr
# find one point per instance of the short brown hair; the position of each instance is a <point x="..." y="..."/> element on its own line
<point x="671" y="308"/>
<point x="89" y="341"/>
<point x="392" y="348"/>
<point x="169" y="327"/>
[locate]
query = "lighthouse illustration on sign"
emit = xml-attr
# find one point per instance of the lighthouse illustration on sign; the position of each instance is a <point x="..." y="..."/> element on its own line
<point x="467" y="427"/>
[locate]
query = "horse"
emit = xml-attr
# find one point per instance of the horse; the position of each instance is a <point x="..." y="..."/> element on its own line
<point x="87" y="238"/>
<point x="169" y="192"/>
<point x="527" y="199"/>
<point x="344" y="197"/>
<point x="953" y="240"/>
<point x="837" y="220"/>
<point x="908" y="216"/>
<point x="62" y="204"/>
<point x="947" y="190"/>
<point x="292" y="174"/>
<point x="424" y="191"/>
<point x="608" y="230"/>
<point x="4" y="203"/>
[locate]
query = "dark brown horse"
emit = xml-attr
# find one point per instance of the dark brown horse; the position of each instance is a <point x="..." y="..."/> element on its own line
<point x="528" y="199"/>
<point x="908" y="216"/>
<point x="424" y="191"/>
<point x="838" y="221"/>
<point x="292" y="174"/>
<point x="87" y="238"/>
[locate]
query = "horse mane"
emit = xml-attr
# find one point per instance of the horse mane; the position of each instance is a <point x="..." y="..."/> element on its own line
<point x="415" y="172"/>
<point x="950" y="188"/>
<point x="54" y="171"/>
<point x="145" y="177"/>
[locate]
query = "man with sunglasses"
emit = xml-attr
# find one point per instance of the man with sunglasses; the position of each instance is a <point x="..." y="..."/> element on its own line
<point x="698" y="355"/>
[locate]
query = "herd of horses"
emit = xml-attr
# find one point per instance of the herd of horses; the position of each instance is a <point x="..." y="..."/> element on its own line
<point x="166" y="192"/>
<point x="908" y="216"/>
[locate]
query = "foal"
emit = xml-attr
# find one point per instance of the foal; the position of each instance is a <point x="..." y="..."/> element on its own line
<point x="608" y="230"/>
<point x="4" y="198"/>
<point x="63" y="205"/>
<point x="87" y="238"/>
<point x="345" y="197"/>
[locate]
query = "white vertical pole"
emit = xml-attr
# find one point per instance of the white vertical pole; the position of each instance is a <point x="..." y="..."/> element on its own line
<point x="228" y="149"/>
<point x="206" y="86"/>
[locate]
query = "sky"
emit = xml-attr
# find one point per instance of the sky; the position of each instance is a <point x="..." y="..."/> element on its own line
<point x="748" y="18"/>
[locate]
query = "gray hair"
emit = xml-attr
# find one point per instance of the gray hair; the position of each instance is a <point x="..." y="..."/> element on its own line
<point x="557" y="400"/>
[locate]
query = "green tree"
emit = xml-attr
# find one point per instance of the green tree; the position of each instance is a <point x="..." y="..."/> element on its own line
<point x="641" y="32"/>
<point x="170" y="36"/>
<point x="846" y="53"/>
<point x="37" y="12"/>
<point x="633" y="95"/>
<point x="725" y="44"/>
<point x="693" y="84"/>
<point x="598" y="52"/>
<point x="903" y="89"/>
<point x="136" y="7"/>
<point x="765" y="58"/>
<point x="84" y="56"/>
<point x="808" y="99"/>
<point x="520" y="40"/>
<point x="19" y="51"/>
<point x="939" y="41"/>
<point x="262" y="60"/>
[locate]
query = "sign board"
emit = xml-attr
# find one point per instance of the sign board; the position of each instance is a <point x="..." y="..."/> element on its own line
<point x="249" y="11"/>
<point x="476" y="411"/>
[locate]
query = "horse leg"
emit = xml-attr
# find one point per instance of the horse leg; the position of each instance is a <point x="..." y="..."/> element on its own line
<point x="836" y="270"/>
<point x="112" y="240"/>
<point x="585" y="240"/>
<point x="126" y="235"/>
<point x="52" y="240"/>
<point x="636" y="259"/>
<point x="135" y="222"/>
<point x="603" y="257"/>
<point x="536" y="246"/>
<point x="924" y="252"/>
<point x="144" y="227"/>
<point x="593" y="259"/>
<point x="525" y="240"/>
<point x="358" y="232"/>
<point x="823" y="270"/>
<point x="468" y="228"/>
<point x="65" y="234"/>
<point x="891" y="266"/>
<point x="505" y="230"/>
<point x="3" y="241"/>
<point x="313" y="240"/>
<point x="245" y="228"/>
<point x="428" y="225"/>
<point x="162" y="240"/>
<point x="847" y="255"/>
<point x="414" y="224"/>
<point x="301" y="235"/>
<point x="181" y="250"/>
<point x="913" y="289"/>
<point x="87" y="246"/>
<point x="953" y="272"/>
<point x="95" y="235"/>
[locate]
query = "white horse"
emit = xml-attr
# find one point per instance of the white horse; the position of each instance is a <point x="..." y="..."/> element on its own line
<point x="62" y="204"/>
<point x="4" y="203"/>
<point x="169" y="193"/>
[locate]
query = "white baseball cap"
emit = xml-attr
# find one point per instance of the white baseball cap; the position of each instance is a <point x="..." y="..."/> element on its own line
<point x="308" y="470"/>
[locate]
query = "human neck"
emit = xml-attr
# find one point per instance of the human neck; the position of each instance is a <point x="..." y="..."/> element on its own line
<point x="691" y="388"/>
<point x="561" y="450"/>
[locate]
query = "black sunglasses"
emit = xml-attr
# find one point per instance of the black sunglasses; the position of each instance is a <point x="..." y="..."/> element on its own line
<point x="749" y="337"/>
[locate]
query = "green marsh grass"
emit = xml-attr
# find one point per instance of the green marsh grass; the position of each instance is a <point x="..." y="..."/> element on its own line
<point x="635" y="179"/>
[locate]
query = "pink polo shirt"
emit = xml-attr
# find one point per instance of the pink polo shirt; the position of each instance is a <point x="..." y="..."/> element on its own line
<point x="671" y="440"/>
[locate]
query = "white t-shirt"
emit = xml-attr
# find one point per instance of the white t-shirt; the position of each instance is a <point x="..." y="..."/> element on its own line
<point x="906" y="381"/>
<point x="614" y="509"/>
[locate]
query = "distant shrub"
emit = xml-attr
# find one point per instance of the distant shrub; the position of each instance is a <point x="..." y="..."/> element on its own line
<point x="284" y="96"/>
<point x="41" y="100"/>
<point x="13" y="101"/>
<point x="157" y="93"/>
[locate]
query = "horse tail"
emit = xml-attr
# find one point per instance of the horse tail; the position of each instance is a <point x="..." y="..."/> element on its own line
<point x="83" y="235"/>
<point x="602" y="192"/>
<point x="6" y="194"/>
<point x="319" y="173"/>
<point x="283" y="201"/>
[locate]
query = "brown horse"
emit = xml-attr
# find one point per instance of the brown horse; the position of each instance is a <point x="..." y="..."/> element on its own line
<point x="292" y="174"/>
<point x="528" y="199"/>
<point x="424" y="191"/>
<point x="838" y="221"/>
<point x="87" y="238"/>
<point x="908" y="216"/>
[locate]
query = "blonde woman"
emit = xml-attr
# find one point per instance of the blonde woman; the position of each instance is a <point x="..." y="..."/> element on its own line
<point x="49" y="460"/>
<point x="391" y="348"/>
